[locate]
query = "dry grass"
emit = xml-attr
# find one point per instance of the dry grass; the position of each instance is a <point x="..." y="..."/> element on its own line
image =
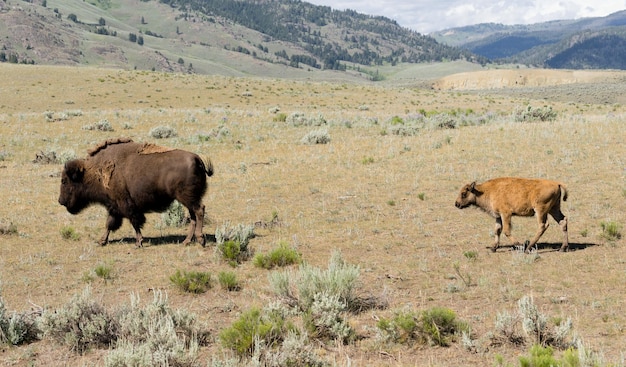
<point x="361" y="193"/>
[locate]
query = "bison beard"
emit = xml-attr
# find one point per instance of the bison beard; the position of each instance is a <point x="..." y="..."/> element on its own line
<point x="131" y="179"/>
<point x="505" y="197"/>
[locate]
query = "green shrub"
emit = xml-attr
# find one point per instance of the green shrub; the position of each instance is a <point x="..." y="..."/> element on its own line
<point x="240" y="336"/>
<point x="611" y="230"/>
<point x="436" y="326"/>
<point x="232" y="242"/>
<point x="80" y="324"/>
<point x="191" y="282"/>
<point x="281" y="117"/>
<point x="470" y="255"/>
<point x="540" y="357"/>
<point x="281" y="256"/>
<point x="228" y="281"/>
<point x="69" y="233"/>
<point x="439" y="325"/>
<point x="104" y="271"/>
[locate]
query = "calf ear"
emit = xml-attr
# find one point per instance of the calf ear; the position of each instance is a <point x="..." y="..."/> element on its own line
<point x="473" y="186"/>
<point x="75" y="170"/>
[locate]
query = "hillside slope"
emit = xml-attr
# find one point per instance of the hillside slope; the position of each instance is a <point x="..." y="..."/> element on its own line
<point x="269" y="38"/>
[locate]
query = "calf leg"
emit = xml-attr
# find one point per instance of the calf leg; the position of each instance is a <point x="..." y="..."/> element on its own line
<point x="113" y="224"/>
<point x="562" y="220"/>
<point x="498" y="230"/>
<point x="543" y="225"/>
<point x="506" y="228"/>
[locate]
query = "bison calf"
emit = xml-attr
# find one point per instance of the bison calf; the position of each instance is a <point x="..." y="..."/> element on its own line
<point x="505" y="197"/>
<point x="131" y="179"/>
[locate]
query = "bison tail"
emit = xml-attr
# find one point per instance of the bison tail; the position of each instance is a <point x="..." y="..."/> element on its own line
<point x="208" y="166"/>
<point x="563" y="191"/>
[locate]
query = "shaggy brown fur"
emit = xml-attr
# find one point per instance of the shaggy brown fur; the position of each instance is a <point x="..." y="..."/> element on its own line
<point x="505" y="197"/>
<point x="130" y="179"/>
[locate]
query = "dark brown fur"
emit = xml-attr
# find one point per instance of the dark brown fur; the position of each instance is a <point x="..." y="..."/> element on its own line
<point x="129" y="182"/>
<point x="505" y="197"/>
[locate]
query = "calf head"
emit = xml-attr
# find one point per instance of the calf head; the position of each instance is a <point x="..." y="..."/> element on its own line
<point x="467" y="196"/>
<point x="72" y="186"/>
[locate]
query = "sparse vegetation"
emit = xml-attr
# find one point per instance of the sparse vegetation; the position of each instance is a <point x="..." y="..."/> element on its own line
<point x="328" y="201"/>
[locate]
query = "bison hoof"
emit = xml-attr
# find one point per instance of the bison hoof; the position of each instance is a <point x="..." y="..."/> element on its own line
<point x="493" y="249"/>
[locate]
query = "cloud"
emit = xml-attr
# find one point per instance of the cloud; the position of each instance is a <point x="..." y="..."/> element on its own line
<point x="426" y="16"/>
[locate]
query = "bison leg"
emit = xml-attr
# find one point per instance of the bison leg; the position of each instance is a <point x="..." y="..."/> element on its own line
<point x="562" y="220"/>
<point x="138" y="222"/>
<point x="195" y="226"/>
<point x="543" y="225"/>
<point x="113" y="224"/>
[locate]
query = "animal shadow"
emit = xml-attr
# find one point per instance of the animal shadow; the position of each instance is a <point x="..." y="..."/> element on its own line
<point x="556" y="246"/>
<point x="163" y="240"/>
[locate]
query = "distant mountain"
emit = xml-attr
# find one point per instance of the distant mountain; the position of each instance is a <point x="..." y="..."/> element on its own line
<point x="240" y="37"/>
<point x="588" y="43"/>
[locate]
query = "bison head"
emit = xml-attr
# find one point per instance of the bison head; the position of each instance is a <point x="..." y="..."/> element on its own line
<point x="467" y="196"/>
<point x="72" y="186"/>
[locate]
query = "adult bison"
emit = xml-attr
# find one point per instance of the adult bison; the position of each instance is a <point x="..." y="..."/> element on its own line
<point x="131" y="179"/>
<point x="505" y="197"/>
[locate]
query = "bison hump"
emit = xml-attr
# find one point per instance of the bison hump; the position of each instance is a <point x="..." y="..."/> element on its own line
<point x="93" y="151"/>
<point x="149" y="148"/>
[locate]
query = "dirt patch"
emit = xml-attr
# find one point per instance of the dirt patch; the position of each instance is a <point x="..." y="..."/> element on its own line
<point x="499" y="79"/>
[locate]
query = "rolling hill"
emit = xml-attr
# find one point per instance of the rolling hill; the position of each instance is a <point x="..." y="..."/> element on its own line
<point x="269" y="38"/>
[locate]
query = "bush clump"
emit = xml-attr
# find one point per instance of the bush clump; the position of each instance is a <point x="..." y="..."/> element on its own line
<point x="228" y="281"/>
<point x="102" y="125"/>
<point x="319" y="136"/>
<point x="300" y="119"/>
<point x="162" y="132"/>
<point x="435" y="326"/>
<point x="268" y="326"/>
<point x="192" y="281"/>
<point x="232" y="242"/>
<point x="611" y="230"/>
<point x="530" y="114"/>
<point x="283" y="255"/>
<point x="17" y="328"/>
<point x="175" y="215"/>
<point x="156" y="335"/>
<point x="81" y="324"/>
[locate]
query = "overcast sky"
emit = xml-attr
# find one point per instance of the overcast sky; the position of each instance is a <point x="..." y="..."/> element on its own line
<point x="427" y="16"/>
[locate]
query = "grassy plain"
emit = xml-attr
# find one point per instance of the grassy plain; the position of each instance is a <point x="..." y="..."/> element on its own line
<point x="385" y="201"/>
